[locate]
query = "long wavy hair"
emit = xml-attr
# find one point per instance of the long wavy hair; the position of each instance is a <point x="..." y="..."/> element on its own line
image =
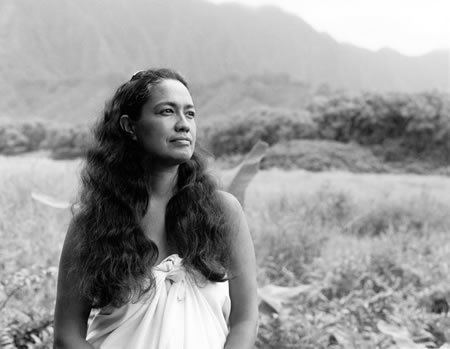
<point x="113" y="256"/>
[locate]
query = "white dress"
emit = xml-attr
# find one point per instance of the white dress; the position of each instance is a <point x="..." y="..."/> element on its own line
<point x="179" y="315"/>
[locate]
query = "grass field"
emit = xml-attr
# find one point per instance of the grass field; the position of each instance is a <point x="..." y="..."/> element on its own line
<point x="374" y="251"/>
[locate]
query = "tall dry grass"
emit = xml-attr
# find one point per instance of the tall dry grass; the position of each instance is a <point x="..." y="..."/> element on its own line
<point x="372" y="247"/>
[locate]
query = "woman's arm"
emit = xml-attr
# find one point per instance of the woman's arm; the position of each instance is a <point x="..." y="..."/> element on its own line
<point x="243" y="286"/>
<point x="71" y="310"/>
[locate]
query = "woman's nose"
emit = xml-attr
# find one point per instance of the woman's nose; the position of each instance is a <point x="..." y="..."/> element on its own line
<point x="182" y="123"/>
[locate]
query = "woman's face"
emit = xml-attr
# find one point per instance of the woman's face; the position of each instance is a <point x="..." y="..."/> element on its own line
<point x="166" y="128"/>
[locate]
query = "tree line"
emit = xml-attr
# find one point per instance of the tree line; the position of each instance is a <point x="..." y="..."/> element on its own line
<point x="394" y="126"/>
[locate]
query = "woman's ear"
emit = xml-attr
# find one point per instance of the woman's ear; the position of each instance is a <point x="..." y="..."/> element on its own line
<point x="127" y="126"/>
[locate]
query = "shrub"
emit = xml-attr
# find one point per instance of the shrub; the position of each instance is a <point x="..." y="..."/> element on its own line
<point x="66" y="141"/>
<point x="12" y="140"/>
<point x="268" y="125"/>
<point x="421" y="121"/>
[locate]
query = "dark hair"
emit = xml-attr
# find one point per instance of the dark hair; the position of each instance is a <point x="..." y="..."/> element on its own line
<point x="113" y="255"/>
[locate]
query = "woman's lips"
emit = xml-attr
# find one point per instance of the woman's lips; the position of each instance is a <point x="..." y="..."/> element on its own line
<point x="181" y="142"/>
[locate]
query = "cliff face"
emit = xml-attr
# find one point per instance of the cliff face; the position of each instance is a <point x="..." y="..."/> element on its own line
<point x="56" y="55"/>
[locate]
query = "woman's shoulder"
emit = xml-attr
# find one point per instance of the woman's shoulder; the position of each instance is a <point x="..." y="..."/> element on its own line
<point x="228" y="200"/>
<point x="231" y="207"/>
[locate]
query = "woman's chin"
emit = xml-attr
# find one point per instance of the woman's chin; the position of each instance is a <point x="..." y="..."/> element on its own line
<point x="176" y="158"/>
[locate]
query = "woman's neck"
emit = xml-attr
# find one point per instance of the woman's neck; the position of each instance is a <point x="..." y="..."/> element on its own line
<point x="163" y="182"/>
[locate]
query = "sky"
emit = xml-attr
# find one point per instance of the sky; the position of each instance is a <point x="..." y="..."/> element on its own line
<point x="411" y="27"/>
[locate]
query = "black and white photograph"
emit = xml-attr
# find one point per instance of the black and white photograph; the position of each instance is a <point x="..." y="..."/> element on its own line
<point x="224" y="174"/>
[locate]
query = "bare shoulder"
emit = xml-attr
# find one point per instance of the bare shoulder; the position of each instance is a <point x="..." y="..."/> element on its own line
<point x="229" y="202"/>
<point x="232" y="210"/>
<point x="70" y="243"/>
<point x="242" y="283"/>
<point x="237" y="222"/>
<point x="69" y="254"/>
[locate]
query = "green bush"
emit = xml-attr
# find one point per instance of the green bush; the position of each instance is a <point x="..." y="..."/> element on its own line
<point x="68" y="142"/>
<point x="12" y="140"/>
<point x="421" y="121"/>
<point x="67" y="136"/>
<point x="269" y="125"/>
<point x="35" y="132"/>
<point x="410" y="132"/>
<point x="64" y="141"/>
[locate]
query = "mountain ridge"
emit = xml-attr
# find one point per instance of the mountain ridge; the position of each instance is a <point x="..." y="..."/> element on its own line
<point x="56" y="52"/>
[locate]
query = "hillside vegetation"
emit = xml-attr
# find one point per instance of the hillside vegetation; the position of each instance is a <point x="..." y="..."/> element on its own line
<point x="366" y="132"/>
<point x="60" y="41"/>
<point x="60" y="59"/>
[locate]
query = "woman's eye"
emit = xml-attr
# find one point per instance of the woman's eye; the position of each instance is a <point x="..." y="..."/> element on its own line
<point x="166" y="111"/>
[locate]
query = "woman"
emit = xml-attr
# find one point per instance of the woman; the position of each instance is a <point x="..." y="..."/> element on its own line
<point x="154" y="245"/>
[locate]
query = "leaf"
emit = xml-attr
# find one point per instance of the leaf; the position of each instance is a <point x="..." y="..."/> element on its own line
<point x="400" y="335"/>
<point x="272" y="297"/>
<point x="50" y="201"/>
<point x="35" y="338"/>
<point x="247" y="169"/>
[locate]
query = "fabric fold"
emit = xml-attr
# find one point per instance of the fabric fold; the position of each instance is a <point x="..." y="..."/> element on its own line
<point x="178" y="315"/>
